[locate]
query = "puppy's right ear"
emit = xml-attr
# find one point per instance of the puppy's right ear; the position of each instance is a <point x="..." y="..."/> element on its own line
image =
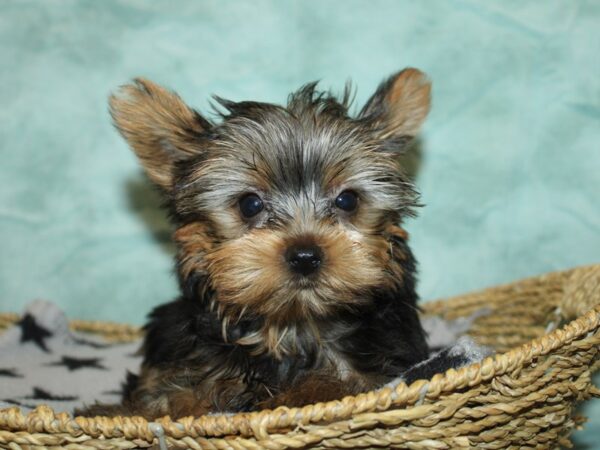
<point x="158" y="126"/>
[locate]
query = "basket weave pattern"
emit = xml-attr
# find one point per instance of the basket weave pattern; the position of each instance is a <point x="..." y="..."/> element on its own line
<point x="546" y="330"/>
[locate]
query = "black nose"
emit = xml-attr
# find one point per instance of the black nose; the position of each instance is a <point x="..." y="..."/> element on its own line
<point x="304" y="259"/>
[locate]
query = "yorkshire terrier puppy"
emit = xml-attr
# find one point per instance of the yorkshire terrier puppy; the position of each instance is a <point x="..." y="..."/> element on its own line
<point x="297" y="282"/>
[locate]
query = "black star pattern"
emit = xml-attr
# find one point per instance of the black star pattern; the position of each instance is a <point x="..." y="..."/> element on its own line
<point x="31" y="331"/>
<point x="40" y="394"/>
<point x="115" y="392"/>
<point x="81" y="341"/>
<point x="16" y="403"/>
<point x="78" y="363"/>
<point x="12" y="372"/>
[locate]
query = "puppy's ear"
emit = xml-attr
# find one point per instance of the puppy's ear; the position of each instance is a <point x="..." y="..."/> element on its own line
<point x="158" y="126"/>
<point x="399" y="106"/>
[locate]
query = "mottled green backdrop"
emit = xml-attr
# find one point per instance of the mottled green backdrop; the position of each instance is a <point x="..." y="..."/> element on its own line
<point x="511" y="170"/>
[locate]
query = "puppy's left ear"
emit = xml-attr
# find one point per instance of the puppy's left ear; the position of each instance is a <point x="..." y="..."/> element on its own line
<point x="399" y="106"/>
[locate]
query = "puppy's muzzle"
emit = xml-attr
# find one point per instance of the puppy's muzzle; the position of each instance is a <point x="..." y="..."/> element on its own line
<point x="304" y="259"/>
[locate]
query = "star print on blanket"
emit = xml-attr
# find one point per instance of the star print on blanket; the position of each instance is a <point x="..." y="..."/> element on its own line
<point x="43" y="362"/>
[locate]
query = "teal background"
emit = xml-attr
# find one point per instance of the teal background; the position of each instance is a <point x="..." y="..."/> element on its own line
<point x="511" y="169"/>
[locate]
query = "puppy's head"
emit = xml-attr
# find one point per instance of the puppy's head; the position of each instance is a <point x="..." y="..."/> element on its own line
<point x="282" y="212"/>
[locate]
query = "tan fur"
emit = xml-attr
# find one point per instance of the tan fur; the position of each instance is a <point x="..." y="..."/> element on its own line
<point x="158" y="126"/>
<point x="250" y="273"/>
<point x="409" y="102"/>
<point x="193" y="243"/>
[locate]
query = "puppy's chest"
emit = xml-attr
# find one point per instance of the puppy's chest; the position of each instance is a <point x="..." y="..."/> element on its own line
<point x="340" y="365"/>
<point x="321" y="353"/>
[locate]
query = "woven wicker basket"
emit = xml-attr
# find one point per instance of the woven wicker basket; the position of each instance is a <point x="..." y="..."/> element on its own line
<point x="546" y="331"/>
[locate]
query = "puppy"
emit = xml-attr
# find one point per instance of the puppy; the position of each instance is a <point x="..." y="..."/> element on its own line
<point x="297" y="281"/>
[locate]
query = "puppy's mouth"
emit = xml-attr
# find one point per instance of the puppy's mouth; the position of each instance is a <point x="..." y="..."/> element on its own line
<point x="306" y="283"/>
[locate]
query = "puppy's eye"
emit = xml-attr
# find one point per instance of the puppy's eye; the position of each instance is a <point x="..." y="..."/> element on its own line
<point x="251" y="205"/>
<point x="347" y="201"/>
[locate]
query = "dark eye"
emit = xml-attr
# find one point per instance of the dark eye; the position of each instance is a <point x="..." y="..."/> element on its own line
<point x="251" y="205"/>
<point x="347" y="201"/>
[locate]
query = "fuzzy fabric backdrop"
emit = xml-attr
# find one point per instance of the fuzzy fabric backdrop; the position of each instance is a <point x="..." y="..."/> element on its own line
<point x="510" y="156"/>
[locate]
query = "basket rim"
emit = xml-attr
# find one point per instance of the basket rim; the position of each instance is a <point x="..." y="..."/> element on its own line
<point x="362" y="407"/>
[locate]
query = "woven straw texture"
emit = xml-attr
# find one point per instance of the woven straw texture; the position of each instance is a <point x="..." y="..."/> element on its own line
<point x="545" y="329"/>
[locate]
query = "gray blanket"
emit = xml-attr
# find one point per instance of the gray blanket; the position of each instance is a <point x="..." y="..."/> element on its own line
<point x="43" y="362"/>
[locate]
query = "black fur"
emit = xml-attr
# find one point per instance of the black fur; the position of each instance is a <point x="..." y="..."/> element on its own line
<point x="382" y="340"/>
